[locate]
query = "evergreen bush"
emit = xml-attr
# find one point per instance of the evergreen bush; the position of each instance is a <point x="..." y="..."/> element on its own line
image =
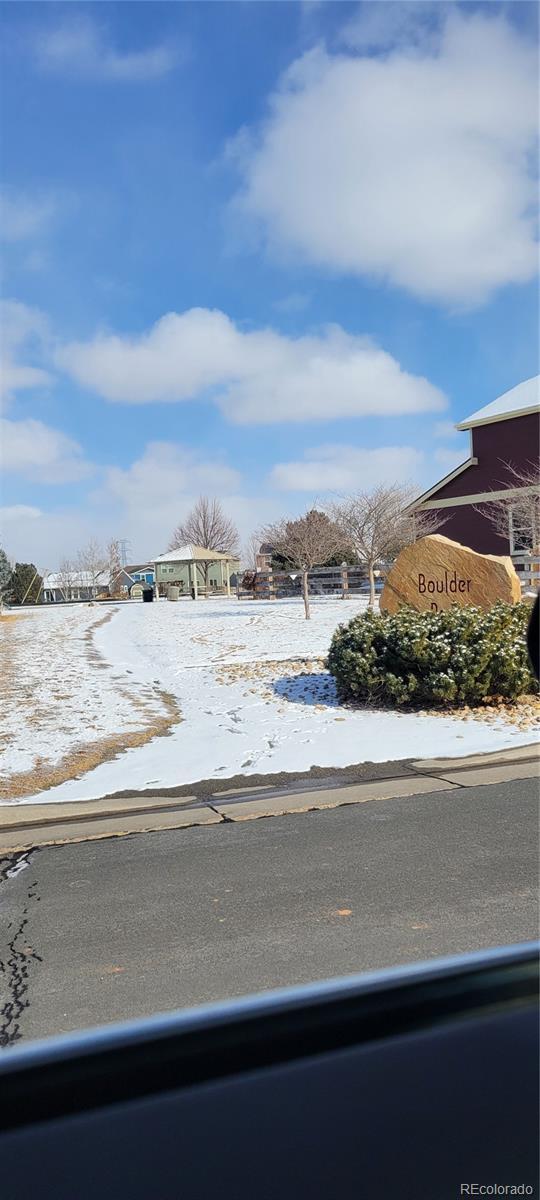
<point x="458" y="656"/>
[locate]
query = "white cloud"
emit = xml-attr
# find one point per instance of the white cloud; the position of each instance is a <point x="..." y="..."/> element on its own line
<point x="181" y="356"/>
<point x="149" y="498"/>
<point x="16" y="512"/>
<point x="445" y="429"/>
<point x="29" y="448"/>
<point x="81" y="49"/>
<point x="14" y="377"/>
<point x="166" y="471"/>
<point x="39" y="453"/>
<point x="23" y="330"/>
<point x="378" y="25"/>
<point x="61" y="533"/>
<point x="413" y="167"/>
<point x="145" y="501"/>
<point x="49" y="539"/>
<point x="451" y="457"/>
<point x="347" y="468"/>
<point x="22" y="216"/>
<point x="256" y="377"/>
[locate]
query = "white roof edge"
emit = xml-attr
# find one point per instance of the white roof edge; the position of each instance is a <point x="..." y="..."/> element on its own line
<point x="469" y="462"/>
<point x="123" y="571"/>
<point x="517" y="402"/>
<point x="507" y="416"/>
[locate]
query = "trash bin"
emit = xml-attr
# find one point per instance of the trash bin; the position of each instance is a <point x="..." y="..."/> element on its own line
<point x="148" y="595"/>
<point x="173" y="592"/>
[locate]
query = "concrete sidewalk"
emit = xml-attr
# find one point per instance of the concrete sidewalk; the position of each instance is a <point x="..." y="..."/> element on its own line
<point x="25" y="826"/>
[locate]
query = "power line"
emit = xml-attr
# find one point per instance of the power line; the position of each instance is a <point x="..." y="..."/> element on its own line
<point x="123" y="546"/>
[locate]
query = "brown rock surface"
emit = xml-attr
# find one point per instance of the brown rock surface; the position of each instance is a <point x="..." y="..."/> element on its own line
<point x="435" y="573"/>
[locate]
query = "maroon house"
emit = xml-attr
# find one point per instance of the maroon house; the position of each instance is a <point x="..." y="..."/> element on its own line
<point x="504" y="434"/>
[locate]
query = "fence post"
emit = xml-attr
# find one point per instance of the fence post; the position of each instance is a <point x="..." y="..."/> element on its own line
<point x="344" y="583"/>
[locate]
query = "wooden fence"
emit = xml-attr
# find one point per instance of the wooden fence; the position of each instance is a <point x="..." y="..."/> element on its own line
<point x="528" y="569"/>
<point x="322" y="581"/>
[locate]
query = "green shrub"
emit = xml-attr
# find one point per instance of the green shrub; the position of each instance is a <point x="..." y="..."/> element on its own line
<point x="459" y="656"/>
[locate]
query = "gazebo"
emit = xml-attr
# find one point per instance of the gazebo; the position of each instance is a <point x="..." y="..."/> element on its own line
<point x="184" y="560"/>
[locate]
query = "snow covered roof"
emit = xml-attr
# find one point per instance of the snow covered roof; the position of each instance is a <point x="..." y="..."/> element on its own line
<point x="123" y="571"/>
<point x="519" y="400"/>
<point x="190" y="553"/>
<point x="77" y="579"/>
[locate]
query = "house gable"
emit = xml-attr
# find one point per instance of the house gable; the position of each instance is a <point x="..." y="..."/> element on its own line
<point x="497" y="447"/>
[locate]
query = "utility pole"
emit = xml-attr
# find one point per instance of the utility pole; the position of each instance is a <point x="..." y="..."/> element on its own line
<point x="123" y="545"/>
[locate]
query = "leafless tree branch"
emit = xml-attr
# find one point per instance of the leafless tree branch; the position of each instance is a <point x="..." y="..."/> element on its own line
<point x="114" y="565"/>
<point x="310" y="541"/>
<point x="520" y="509"/>
<point x="378" y="524"/>
<point x="207" y="525"/>
<point x="92" y="558"/>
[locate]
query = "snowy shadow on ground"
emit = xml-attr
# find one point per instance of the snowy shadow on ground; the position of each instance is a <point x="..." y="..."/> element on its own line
<point x="317" y="688"/>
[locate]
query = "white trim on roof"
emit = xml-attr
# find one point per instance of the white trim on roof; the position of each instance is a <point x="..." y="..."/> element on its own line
<point x="469" y="462"/>
<point x="520" y="400"/>
<point x="477" y="498"/>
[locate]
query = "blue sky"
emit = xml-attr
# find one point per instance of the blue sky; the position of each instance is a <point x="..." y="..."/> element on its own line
<point x="265" y="251"/>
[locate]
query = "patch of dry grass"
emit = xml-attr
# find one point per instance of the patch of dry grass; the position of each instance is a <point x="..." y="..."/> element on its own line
<point x="84" y="758"/>
<point x="234" y="672"/>
<point x="523" y="713"/>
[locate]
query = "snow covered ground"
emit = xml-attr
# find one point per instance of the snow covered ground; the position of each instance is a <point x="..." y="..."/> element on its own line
<point x="59" y="695"/>
<point x="248" y="681"/>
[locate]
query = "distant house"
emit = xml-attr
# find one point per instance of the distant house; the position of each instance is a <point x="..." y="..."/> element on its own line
<point x="63" y="587"/>
<point x="264" y="557"/>
<point x="504" y="435"/>
<point x="121" y="583"/>
<point x="141" y="573"/>
<point x="60" y="587"/>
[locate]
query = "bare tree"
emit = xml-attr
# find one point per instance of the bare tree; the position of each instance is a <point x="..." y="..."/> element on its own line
<point x="519" y="512"/>
<point x="92" y="559"/>
<point x="379" y="523"/>
<point x="207" y="525"/>
<point x="250" y="552"/>
<point x="423" y="522"/>
<point x="310" y="541"/>
<point x="114" y="565"/>
<point x="68" y="575"/>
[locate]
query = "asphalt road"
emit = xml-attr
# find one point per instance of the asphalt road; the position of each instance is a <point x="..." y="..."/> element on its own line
<point x="115" y="929"/>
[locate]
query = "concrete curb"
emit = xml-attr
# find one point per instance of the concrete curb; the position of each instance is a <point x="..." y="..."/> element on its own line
<point x="25" y="827"/>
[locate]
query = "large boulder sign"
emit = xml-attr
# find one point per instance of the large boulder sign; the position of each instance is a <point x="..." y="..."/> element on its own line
<point x="435" y="572"/>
